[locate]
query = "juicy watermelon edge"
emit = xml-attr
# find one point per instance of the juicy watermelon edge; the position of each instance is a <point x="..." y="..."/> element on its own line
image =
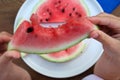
<point x="37" y="5"/>
<point x="85" y="7"/>
<point x="20" y="20"/>
<point x="77" y="53"/>
<point x="11" y="47"/>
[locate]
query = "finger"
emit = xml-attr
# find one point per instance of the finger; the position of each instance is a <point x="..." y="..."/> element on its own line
<point x="105" y="20"/>
<point x="117" y="36"/>
<point x="9" y="56"/>
<point x="107" y="15"/>
<point x="6" y="33"/>
<point x="3" y="48"/>
<point x="5" y="37"/>
<point x="105" y="39"/>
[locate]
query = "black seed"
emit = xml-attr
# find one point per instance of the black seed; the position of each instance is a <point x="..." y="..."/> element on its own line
<point x="50" y="13"/>
<point x="48" y="10"/>
<point x="74" y="9"/>
<point x="79" y="15"/>
<point x="41" y="20"/>
<point x="47" y="19"/>
<point x="70" y="14"/>
<point x="30" y="29"/>
<point x="63" y="10"/>
<point x="59" y="1"/>
<point x="66" y="50"/>
<point x="76" y="13"/>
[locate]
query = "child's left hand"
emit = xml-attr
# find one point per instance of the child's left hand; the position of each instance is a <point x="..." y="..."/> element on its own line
<point x="8" y="70"/>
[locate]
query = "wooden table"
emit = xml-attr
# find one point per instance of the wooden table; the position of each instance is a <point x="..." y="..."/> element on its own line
<point x="8" y="11"/>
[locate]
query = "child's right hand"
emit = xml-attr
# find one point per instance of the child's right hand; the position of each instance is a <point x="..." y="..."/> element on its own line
<point x="108" y="65"/>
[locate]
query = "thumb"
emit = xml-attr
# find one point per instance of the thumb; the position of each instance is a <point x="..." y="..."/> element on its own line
<point x="105" y="39"/>
<point x="9" y="56"/>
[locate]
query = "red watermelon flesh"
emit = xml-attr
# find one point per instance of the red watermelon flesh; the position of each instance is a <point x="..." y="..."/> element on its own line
<point x="37" y="39"/>
<point x="60" y="10"/>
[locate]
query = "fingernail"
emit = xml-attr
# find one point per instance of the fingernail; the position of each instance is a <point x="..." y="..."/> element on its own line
<point x="95" y="35"/>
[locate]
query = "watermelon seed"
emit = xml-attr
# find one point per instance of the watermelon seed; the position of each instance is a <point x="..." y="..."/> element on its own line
<point x="63" y="10"/>
<point x="66" y="50"/>
<point x="47" y="19"/>
<point x="70" y="14"/>
<point x="78" y="14"/>
<point x="41" y="20"/>
<point x="57" y="4"/>
<point x="48" y="10"/>
<point x="50" y="13"/>
<point x="74" y="9"/>
<point x="30" y="29"/>
<point x="59" y="1"/>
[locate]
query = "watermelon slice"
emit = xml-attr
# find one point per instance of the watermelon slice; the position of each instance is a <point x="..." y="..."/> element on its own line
<point x="65" y="55"/>
<point x="38" y="39"/>
<point x="32" y="37"/>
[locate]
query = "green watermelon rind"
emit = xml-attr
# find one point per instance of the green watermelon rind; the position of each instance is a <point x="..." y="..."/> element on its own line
<point x="18" y="23"/>
<point x="33" y="10"/>
<point x="37" y="5"/>
<point x="77" y="53"/>
<point x="31" y="51"/>
<point x="85" y="7"/>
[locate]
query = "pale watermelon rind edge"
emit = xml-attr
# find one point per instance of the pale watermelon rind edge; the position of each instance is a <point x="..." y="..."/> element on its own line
<point x="77" y="53"/>
<point x="35" y="51"/>
<point x="85" y="7"/>
<point x="18" y="23"/>
<point x="37" y="5"/>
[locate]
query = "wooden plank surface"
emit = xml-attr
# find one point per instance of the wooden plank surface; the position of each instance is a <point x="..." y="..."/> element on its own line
<point x="8" y="11"/>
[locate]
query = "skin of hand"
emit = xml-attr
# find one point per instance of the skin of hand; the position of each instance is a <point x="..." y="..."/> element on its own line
<point x="8" y="70"/>
<point x="108" y="66"/>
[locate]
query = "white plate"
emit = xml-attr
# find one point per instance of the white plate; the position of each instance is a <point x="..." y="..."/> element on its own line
<point x="67" y="69"/>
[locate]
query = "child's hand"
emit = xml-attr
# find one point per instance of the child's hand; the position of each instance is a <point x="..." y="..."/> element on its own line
<point x="8" y="70"/>
<point x="4" y="39"/>
<point x="108" y="66"/>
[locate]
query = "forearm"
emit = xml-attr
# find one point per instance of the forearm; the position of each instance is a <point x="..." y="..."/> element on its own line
<point x="107" y="68"/>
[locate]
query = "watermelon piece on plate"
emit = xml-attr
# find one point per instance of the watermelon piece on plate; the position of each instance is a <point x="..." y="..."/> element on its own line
<point x="65" y="55"/>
